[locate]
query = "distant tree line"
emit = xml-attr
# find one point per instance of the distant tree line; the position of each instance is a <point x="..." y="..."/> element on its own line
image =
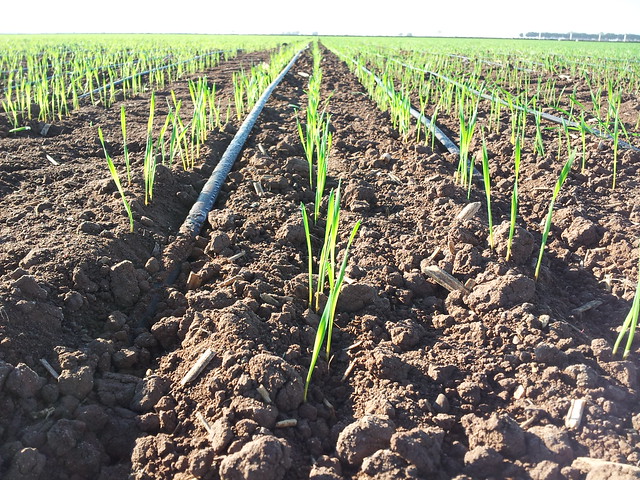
<point x="583" y="37"/>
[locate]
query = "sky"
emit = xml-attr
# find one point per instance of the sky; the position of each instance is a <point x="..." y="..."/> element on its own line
<point x="484" y="18"/>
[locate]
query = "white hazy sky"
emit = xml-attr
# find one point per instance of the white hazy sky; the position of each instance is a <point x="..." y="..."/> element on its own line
<point x="327" y="17"/>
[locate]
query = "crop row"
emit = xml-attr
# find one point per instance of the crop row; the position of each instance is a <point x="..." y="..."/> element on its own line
<point x="43" y="79"/>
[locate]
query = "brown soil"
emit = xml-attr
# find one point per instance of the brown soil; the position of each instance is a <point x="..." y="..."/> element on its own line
<point x="422" y="383"/>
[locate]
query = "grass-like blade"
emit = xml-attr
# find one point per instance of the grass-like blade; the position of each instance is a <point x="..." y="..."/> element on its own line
<point x="116" y="179"/>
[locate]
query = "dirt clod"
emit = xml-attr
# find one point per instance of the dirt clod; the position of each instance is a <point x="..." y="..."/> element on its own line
<point x="364" y="437"/>
<point x="265" y="458"/>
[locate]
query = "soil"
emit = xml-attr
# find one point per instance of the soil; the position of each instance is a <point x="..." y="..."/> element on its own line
<point x="422" y="382"/>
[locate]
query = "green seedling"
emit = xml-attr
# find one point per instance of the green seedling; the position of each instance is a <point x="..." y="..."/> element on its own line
<point x="149" y="165"/>
<point x="125" y="148"/>
<point x="116" y="179"/>
<point x="547" y="225"/>
<point x="514" y="198"/>
<point x="325" y="327"/>
<point x="307" y="233"/>
<point x="487" y="189"/>
<point x="630" y="323"/>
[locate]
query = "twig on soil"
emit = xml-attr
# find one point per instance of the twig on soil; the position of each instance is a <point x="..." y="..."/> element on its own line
<point x="354" y="345"/>
<point x="49" y="368"/>
<point x="574" y="416"/>
<point x="287" y="423"/>
<point x="444" y="279"/>
<point x="230" y="280"/>
<point x="262" y="391"/>
<point x="198" y="367"/>
<point x="528" y="422"/>
<point x="269" y="299"/>
<point x="52" y="160"/>
<point x="328" y="404"/>
<point x="233" y="258"/>
<point x="349" y="369"/>
<point x="435" y="253"/>
<point x="578" y="312"/>
<point x="395" y="178"/>
<point x="207" y="426"/>
<point x="586" y="464"/>
<point x="257" y="186"/>
<point x="468" y="211"/>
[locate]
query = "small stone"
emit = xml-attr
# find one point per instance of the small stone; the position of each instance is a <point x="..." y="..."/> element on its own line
<point x="152" y="266"/>
<point x="146" y="221"/>
<point x="90" y="228"/>
<point x="441" y="405"/>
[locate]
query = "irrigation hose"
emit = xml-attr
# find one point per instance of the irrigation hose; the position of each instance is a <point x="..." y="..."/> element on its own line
<point x="431" y="126"/>
<point x="546" y="116"/>
<point x="194" y="221"/>
<point x="180" y="248"/>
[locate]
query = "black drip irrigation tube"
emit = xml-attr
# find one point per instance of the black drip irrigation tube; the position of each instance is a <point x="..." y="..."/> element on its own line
<point x="179" y="250"/>
<point x="426" y="121"/>
<point x="546" y="116"/>
<point x="194" y="221"/>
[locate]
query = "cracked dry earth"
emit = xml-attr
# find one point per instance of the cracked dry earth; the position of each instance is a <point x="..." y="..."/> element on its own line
<point x="423" y="382"/>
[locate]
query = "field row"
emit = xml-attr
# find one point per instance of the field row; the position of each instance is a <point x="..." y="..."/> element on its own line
<point x="361" y="302"/>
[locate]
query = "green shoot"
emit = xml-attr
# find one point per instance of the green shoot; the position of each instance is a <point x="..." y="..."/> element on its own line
<point x="630" y="323"/>
<point x="149" y="166"/>
<point x="325" y="327"/>
<point x="487" y="189"/>
<point x="307" y="232"/>
<point x="616" y="138"/>
<point x="547" y="226"/>
<point x="116" y="179"/>
<point x="125" y="148"/>
<point x="323" y="146"/>
<point x="514" y="198"/>
<point x="467" y="128"/>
